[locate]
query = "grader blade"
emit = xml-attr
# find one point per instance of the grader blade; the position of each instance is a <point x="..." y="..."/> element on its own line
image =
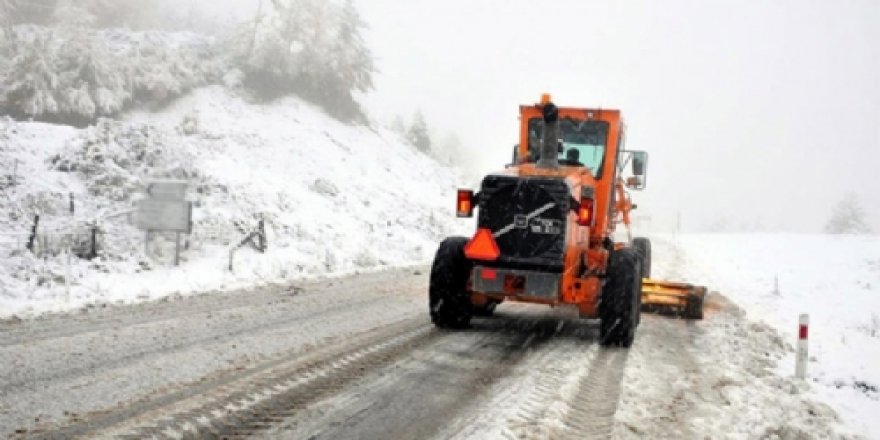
<point x="669" y="296"/>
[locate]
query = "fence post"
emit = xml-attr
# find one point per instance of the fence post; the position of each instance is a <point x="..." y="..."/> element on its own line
<point x="67" y="275"/>
<point x="802" y="349"/>
<point x="263" y="241"/>
<point x="72" y="205"/>
<point x="93" y="250"/>
<point x="32" y="238"/>
<point x="14" y="174"/>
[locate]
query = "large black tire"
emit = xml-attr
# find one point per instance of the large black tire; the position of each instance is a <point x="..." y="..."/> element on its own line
<point x="621" y="301"/>
<point x="643" y="246"/>
<point x="449" y="301"/>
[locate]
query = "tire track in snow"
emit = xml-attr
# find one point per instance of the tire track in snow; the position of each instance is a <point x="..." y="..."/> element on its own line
<point x="592" y="409"/>
<point x="572" y="399"/>
<point x="245" y="401"/>
<point x="555" y="392"/>
<point x="114" y="317"/>
<point x="430" y="387"/>
<point x="195" y="340"/>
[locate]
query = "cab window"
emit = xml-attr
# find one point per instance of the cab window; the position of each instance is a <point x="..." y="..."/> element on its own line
<point x="583" y="142"/>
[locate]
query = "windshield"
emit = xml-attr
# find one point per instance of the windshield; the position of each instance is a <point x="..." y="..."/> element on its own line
<point x="583" y="142"/>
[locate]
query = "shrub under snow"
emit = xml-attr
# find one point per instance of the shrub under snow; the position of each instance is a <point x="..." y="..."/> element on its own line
<point x="114" y="158"/>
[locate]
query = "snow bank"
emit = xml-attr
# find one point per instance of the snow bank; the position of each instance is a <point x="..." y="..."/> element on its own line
<point x="836" y="279"/>
<point x="336" y="199"/>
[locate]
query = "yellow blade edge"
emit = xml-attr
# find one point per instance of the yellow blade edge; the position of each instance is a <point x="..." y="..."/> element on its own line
<point x="668" y="293"/>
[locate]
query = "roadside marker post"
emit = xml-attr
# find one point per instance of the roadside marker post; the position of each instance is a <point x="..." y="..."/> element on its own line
<point x="802" y="350"/>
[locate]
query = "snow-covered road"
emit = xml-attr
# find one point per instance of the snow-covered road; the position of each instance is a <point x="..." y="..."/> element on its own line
<point x="357" y="357"/>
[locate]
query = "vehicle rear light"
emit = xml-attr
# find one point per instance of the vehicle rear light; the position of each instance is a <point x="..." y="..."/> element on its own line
<point x="482" y="246"/>
<point x="585" y="212"/>
<point x="489" y="274"/>
<point x="465" y="206"/>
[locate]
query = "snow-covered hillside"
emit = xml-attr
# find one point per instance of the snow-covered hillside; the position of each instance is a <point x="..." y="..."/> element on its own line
<point x="835" y="279"/>
<point x="335" y="198"/>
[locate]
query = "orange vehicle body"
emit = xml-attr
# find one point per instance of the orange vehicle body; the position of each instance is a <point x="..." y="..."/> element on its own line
<point x="586" y="247"/>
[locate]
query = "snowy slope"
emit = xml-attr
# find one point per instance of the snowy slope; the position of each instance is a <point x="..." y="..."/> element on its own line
<point x="336" y="199"/>
<point x="835" y="279"/>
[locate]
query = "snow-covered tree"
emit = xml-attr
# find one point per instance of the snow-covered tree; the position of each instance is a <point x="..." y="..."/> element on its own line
<point x="159" y="71"/>
<point x="32" y="79"/>
<point x="418" y="134"/>
<point x="93" y="83"/>
<point x="66" y="73"/>
<point x="351" y="57"/>
<point x="847" y="217"/>
<point x="312" y="48"/>
<point x="7" y="46"/>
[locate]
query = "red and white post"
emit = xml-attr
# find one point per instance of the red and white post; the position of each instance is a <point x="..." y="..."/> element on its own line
<point x="802" y="352"/>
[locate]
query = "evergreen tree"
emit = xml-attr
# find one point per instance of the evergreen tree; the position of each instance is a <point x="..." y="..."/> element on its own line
<point x="847" y="217"/>
<point x="351" y="58"/>
<point x="418" y="134"/>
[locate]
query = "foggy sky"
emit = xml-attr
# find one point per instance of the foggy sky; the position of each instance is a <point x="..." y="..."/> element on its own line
<point x="753" y="111"/>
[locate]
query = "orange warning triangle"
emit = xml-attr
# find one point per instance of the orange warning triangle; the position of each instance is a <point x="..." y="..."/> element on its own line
<point x="482" y="246"/>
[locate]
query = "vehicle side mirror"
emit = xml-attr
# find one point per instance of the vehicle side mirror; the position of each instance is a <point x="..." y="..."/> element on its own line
<point x="640" y="163"/>
<point x="635" y="183"/>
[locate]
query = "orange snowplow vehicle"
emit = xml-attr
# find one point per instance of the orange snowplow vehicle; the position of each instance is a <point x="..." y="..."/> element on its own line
<point x="545" y="229"/>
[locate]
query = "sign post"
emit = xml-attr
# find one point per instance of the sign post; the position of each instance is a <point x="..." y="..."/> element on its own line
<point x="177" y="248"/>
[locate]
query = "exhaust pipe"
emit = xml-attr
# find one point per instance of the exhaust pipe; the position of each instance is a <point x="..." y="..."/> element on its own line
<point x="550" y="141"/>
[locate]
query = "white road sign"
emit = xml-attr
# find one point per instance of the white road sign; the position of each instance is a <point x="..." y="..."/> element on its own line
<point x="166" y="189"/>
<point x="164" y="215"/>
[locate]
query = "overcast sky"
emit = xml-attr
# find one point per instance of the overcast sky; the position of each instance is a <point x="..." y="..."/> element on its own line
<point x="753" y="111"/>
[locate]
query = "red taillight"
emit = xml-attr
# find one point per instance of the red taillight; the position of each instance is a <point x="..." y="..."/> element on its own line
<point x="482" y="246"/>
<point x="465" y="206"/>
<point x="585" y="212"/>
<point x="489" y="274"/>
